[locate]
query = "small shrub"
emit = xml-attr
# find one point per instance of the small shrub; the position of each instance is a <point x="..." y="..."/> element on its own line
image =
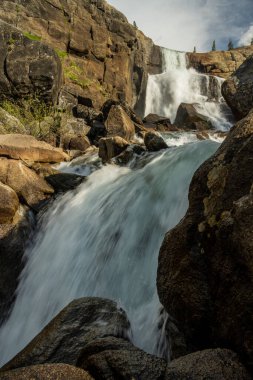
<point x="40" y="120"/>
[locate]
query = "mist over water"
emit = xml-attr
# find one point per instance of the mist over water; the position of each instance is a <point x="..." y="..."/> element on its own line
<point x="103" y="240"/>
<point x="178" y="84"/>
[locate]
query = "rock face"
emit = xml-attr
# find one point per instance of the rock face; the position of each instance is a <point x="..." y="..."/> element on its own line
<point x="188" y="118"/>
<point x="118" y="123"/>
<point x="238" y="89"/>
<point x="27" y="67"/>
<point x="30" y="188"/>
<point x="205" y="272"/>
<point x="64" y="338"/>
<point x="102" y="54"/>
<point x="208" y="364"/>
<point x="109" y="358"/>
<point x="111" y="147"/>
<point x="219" y="63"/>
<point x="154" y="142"/>
<point x="46" y="371"/>
<point x="8" y="204"/>
<point x="25" y="147"/>
<point x="13" y="240"/>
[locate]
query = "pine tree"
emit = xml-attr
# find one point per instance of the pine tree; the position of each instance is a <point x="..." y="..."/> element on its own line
<point x="214" y="46"/>
<point x="135" y="25"/>
<point x="251" y="41"/>
<point x="230" y="45"/>
<point x="194" y="50"/>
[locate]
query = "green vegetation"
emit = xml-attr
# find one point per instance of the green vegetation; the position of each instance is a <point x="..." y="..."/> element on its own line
<point x="74" y="73"/>
<point x="61" y="54"/>
<point x="194" y="49"/>
<point x="251" y="41"/>
<point x="214" y="45"/>
<point x="32" y="37"/>
<point x="39" y="119"/>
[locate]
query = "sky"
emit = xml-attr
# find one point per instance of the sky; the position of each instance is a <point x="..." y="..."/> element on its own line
<point x="183" y="24"/>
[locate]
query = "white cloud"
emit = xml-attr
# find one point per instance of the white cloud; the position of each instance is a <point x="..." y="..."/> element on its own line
<point x="183" y="24"/>
<point x="246" y="38"/>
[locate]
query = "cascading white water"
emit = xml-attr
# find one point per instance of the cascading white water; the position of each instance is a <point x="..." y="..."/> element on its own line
<point x="103" y="240"/>
<point x="178" y="84"/>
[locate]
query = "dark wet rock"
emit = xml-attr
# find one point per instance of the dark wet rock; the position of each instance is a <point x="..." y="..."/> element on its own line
<point x="125" y="157"/>
<point x="158" y="123"/>
<point x="96" y="132"/>
<point x="64" y="338"/>
<point x="46" y="372"/>
<point x="205" y="271"/>
<point x="154" y="141"/>
<point x="216" y="364"/>
<point x="113" y="358"/>
<point x="13" y="240"/>
<point x="62" y="182"/>
<point x="110" y="147"/>
<point x="189" y="119"/>
<point x="238" y="89"/>
<point x="28" y="67"/>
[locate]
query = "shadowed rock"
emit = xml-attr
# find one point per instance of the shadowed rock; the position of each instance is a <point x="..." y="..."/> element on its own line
<point x="205" y="271"/>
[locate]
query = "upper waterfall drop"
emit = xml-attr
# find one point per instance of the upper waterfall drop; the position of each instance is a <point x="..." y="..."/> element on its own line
<point x="179" y="84"/>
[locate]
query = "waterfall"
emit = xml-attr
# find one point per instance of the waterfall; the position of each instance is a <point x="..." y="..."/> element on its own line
<point x="103" y="240"/>
<point x="178" y="84"/>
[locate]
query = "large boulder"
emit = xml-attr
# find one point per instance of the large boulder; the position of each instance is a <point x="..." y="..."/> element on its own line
<point x="46" y="372"/>
<point x="118" y="123"/>
<point x="27" y="148"/>
<point x="238" y="89"/>
<point x="27" y="67"/>
<point x="109" y="358"/>
<point x="205" y="271"/>
<point x="64" y="338"/>
<point x="218" y="364"/>
<point x="9" y="204"/>
<point x="30" y="188"/>
<point x="189" y="119"/>
<point x="110" y="147"/>
<point x="154" y="141"/>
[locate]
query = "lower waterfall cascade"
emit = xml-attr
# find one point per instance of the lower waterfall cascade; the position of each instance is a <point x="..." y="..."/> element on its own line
<point x="103" y="240"/>
<point x="178" y="84"/>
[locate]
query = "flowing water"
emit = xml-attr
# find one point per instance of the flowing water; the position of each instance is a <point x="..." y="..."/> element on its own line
<point x="178" y="84"/>
<point x="103" y="240"/>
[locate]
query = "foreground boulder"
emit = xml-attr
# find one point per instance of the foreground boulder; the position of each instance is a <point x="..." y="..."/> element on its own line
<point x="30" y="188"/>
<point x="238" y="89"/>
<point x="189" y="119"/>
<point x="114" y="358"/>
<point x="46" y="372"/>
<point x="118" y="123"/>
<point x="28" y="67"/>
<point x="154" y="142"/>
<point x="158" y="123"/>
<point x="64" y="338"/>
<point x="25" y="147"/>
<point x="110" y="147"/>
<point x="205" y="271"/>
<point x="219" y="364"/>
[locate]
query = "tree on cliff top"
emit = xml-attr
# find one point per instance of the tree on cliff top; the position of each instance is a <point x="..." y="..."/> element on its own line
<point x="230" y="45"/>
<point x="214" y="45"/>
<point x="194" y="50"/>
<point x="251" y="41"/>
